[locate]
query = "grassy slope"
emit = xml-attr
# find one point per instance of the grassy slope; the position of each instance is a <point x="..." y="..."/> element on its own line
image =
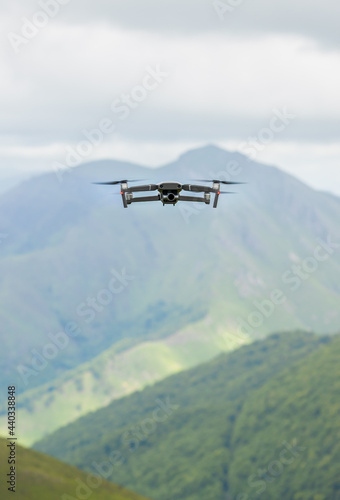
<point x="112" y="375"/>
<point x="192" y="454"/>
<point x="40" y="477"/>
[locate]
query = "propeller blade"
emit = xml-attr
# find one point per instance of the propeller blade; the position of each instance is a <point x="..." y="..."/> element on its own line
<point x="229" y="182"/>
<point x="220" y="182"/>
<point x="113" y="183"/>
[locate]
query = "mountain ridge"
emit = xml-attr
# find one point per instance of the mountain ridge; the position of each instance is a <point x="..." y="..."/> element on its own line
<point x="210" y="272"/>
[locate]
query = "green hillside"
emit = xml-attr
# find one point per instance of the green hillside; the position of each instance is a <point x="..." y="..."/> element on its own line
<point x="301" y="404"/>
<point x="225" y="420"/>
<point x="201" y="281"/>
<point x="114" y="374"/>
<point x="39" y="477"/>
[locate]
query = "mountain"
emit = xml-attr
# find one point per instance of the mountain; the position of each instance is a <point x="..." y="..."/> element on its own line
<point x="261" y="421"/>
<point x="12" y="176"/>
<point x="188" y="282"/>
<point x="111" y="375"/>
<point x="38" y="477"/>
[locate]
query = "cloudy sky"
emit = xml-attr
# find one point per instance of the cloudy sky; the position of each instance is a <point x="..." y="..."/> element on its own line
<point x="145" y="80"/>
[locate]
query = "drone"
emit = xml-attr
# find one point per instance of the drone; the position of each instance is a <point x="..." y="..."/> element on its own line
<point x="169" y="193"/>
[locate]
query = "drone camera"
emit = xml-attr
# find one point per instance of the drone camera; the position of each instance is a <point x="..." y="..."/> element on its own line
<point x="207" y="198"/>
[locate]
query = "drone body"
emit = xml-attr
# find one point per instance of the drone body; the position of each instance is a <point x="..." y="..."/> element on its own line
<point x="169" y="193"/>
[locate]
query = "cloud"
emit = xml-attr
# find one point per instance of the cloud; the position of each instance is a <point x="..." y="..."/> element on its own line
<point x="311" y="18"/>
<point x="225" y="77"/>
<point x="217" y="88"/>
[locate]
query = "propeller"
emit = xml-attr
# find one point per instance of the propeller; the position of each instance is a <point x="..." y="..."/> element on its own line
<point x="113" y="183"/>
<point x="220" y="182"/>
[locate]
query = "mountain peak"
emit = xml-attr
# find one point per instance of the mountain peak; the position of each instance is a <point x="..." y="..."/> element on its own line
<point x="209" y="151"/>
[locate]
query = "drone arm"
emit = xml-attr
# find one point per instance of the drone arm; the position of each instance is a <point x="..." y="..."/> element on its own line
<point x="147" y="187"/>
<point x="191" y="198"/>
<point x="197" y="189"/>
<point x="144" y="198"/>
